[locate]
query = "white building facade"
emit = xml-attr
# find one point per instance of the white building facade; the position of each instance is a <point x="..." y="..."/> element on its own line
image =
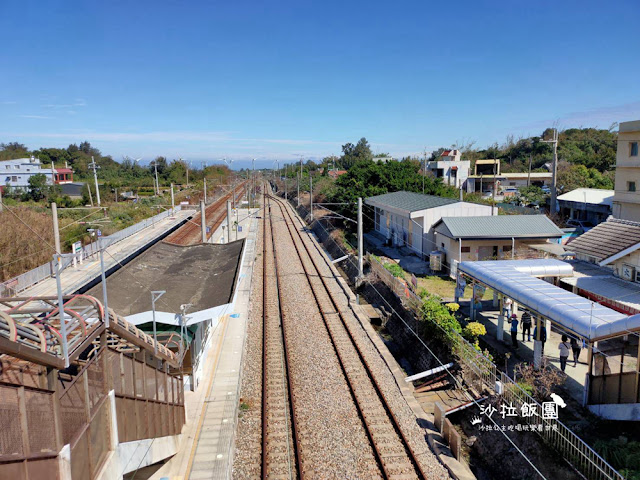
<point x="16" y="173"/>
<point x="450" y="168"/>
<point x="407" y="218"/>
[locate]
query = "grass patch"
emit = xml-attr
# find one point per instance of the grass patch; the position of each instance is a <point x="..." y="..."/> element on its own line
<point x="445" y="287"/>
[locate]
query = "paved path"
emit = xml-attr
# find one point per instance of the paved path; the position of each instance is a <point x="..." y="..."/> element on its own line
<point x="206" y="451"/>
<point x="74" y="278"/>
<point x="573" y="384"/>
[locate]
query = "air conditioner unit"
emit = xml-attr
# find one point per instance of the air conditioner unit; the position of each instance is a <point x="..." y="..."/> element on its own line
<point x="629" y="272"/>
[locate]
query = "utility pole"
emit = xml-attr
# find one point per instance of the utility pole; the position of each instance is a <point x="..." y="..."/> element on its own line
<point x="155" y="295"/>
<point x="311" y="196"/>
<point x="529" y="175"/>
<point x="360" y="242"/>
<point x="90" y="196"/>
<point x="93" y="166"/>
<point x="424" y="168"/>
<point x="298" y="182"/>
<point x="155" y="166"/>
<point x="203" y="222"/>
<point x="228" y="221"/>
<point x="205" y="191"/>
<point x="53" y="173"/>
<point x="56" y="231"/>
<point x="173" y="202"/>
<point x="554" y="176"/>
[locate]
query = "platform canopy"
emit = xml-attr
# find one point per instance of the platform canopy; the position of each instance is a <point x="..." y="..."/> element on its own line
<point x="518" y="280"/>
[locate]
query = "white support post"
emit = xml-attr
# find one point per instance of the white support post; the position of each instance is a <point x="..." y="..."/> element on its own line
<point x="173" y="201"/>
<point x="57" y="260"/>
<point x="500" y="329"/>
<point x="103" y="275"/>
<point x="311" y="195"/>
<point x="537" y="345"/>
<point x="228" y="221"/>
<point x="56" y="231"/>
<point x="360" y="241"/>
<point x="203" y="223"/>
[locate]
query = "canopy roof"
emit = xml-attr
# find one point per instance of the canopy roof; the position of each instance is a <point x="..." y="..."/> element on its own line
<point x="517" y="280"/>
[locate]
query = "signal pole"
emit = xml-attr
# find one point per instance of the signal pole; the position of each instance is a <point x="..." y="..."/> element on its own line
<point x="554" y="176"/>
<point x="93" y="166"/>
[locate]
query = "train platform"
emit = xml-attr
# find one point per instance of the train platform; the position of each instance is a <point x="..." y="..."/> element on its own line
<point x="206" y="450"/>
<point x="243" y="218"/>
<point x="75" y="278"/>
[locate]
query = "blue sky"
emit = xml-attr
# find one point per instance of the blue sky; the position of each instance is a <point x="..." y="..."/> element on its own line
<point x="267" y="80"/>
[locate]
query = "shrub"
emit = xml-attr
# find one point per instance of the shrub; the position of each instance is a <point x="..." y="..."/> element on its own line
<point x="434" y="311"/>
<point x="453" y="307"/>
<point x="395" y="269"/>
<point x="473" y="330"/>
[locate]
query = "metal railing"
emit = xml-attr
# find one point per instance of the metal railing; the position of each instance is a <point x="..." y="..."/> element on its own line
<point x="21" y="282"/>
<point x="482" y="373"/>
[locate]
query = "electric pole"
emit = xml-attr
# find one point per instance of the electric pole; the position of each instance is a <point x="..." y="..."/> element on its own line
<point x="203" y="222"/>
<point x="554" y="170"/>
<point x="155" y="166"/>
<point x="228" y="221"/>
<point x="360" y="242"/>
<point x="298" y="182"/>
<point x="93" y="166"/>
<point x="311" y="196"/>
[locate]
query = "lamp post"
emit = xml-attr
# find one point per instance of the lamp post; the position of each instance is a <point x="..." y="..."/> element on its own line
<point x="155" y="295"/>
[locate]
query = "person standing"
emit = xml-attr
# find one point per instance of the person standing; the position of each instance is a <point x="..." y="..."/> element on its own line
<point x="514" y="330"/>
<point x="543" y="335"/>
<point x="507" y="307"/>
<point x="526" y="325"/>
<point x="565" y="349"/>
<point x="575" y="348"/>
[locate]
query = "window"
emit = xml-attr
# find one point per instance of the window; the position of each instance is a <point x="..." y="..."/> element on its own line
<point x="465" y="249"/>
<point x="633" y="149"/>
<point x="14" y="179"/>
<point x="506" y="248"/>
<point x="631" y="186"/>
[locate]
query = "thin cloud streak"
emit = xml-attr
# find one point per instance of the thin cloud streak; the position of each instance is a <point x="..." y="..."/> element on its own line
<point x="42" y="117"/>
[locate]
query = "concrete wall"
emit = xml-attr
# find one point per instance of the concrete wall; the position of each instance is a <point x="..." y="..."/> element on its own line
<point x="451" y="247"/>
<point x="626" y="204"/>
<point x="618" y="411"/>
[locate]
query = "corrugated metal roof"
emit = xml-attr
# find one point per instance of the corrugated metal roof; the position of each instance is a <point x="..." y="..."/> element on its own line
<point x="607" y="239"/>
<point x="593" y="196"/>
<point x="409" y="201"/>
<point x="500" y="226"/>
<point x="573" y="312"/>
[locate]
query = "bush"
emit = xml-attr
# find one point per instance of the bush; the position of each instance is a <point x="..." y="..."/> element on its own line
<point x="473" y="330"/>
<point x="434" y="311"/>
<point x="453" y="307"/>
<point x="395" y="269"/>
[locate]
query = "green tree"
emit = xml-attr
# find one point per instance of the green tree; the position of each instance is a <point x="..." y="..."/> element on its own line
<point x="38" y="188"/>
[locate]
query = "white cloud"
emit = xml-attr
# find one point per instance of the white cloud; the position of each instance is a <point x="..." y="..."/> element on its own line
<point x="42" y="117"/>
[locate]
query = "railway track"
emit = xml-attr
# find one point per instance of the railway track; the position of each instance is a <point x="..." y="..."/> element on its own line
<point x="394" y="455"/>
<point x="190" y="232"/>
<point x="279" y="436"/>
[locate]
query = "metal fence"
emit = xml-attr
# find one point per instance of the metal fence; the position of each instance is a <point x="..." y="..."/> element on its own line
<point x="482" y="373"/>
<point x="149" y="402"/>
<point x="20" y="283"/>
<point x="36" y="422"/>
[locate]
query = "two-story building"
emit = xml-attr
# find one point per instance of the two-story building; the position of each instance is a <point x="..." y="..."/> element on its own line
<point x="450" y="168"/>
<point x="487" y="178"/>
<point x="626" y="201"/>
<point x="16" y="173"/>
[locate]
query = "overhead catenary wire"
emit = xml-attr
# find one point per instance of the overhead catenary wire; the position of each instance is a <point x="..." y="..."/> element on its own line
<point x="444" y="366"/>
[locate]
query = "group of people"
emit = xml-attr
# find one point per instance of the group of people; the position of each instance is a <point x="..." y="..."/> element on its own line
<point x="566" y="346"/>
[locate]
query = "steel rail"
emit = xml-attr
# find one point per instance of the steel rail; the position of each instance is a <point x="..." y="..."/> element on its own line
<point x="265" y="337"/>
<point x="412" y="456"/>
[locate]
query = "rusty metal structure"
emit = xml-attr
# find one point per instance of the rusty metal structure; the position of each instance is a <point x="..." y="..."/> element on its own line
<point x="63" y="415"/>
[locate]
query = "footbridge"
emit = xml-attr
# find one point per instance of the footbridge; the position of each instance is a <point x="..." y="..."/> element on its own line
<point x="82" y="391"/>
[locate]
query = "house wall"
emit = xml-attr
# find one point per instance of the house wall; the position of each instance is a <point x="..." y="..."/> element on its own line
<point x="626" y="203"/>
<point x="479" y="249"/>
<point x="450" y="177"/>
<point x="16" y="173"/>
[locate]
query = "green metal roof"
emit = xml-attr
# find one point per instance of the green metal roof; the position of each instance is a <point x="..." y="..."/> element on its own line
<point x="409" y="201"/>
<point x="499" y="226"/>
